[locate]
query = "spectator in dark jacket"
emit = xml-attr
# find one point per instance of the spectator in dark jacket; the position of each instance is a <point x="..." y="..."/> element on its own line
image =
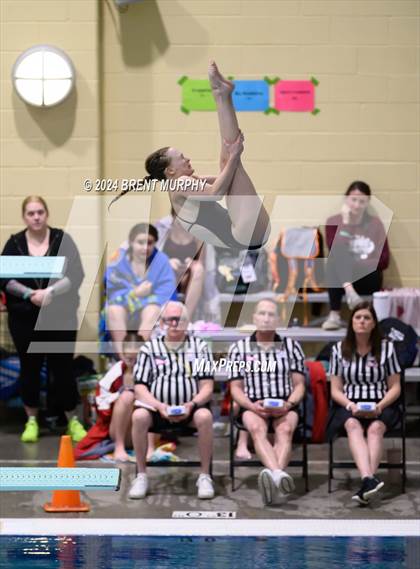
<point x="359" y="252"/>
<point x="44" y="311"/>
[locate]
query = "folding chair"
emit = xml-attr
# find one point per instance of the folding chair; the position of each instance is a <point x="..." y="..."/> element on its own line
<point x="235" y="428"/>
<point x="398" y="431"/>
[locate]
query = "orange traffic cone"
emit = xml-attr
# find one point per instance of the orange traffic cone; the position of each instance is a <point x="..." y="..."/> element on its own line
<point x="66" y="500"/>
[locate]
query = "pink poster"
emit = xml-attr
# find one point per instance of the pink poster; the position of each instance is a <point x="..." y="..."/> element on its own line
<point x="295" y="96"/>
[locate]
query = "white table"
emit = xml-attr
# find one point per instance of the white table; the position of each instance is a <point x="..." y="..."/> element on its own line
<point x="299" y="333"/>
<point x="412" y="375"/>
<point x="311" y="297"/>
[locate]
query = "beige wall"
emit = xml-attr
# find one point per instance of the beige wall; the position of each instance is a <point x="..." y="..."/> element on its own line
<point x="363" y="53"/>
<point x="127" y="103"/>
<point x="49" y="151"/>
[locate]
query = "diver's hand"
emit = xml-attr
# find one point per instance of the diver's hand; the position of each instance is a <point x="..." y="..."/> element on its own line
<point x="236" y="147"/>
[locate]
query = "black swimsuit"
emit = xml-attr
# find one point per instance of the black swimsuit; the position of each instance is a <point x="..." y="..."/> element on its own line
<point x="214" y="225"/>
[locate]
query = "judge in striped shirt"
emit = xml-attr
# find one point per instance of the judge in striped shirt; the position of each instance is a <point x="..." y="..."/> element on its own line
<point x="165" y="376"/>
<point x="364" y="369"/>
<point x="251" y="386"/>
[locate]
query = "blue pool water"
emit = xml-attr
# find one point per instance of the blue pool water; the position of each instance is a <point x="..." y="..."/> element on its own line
<point x="132" y="552"/>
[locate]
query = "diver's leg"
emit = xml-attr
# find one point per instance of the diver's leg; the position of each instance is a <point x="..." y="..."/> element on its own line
<point x="250" y="221"/>
<point x="228" y="122"/>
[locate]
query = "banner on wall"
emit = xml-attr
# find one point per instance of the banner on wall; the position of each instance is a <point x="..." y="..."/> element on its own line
<point x="252" y="95"/>
<point x="295" y="96"/>
<point x="196" y="95"/>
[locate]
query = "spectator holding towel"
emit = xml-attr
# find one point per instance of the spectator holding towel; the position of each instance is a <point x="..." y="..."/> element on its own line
<point x="137" y="285"/>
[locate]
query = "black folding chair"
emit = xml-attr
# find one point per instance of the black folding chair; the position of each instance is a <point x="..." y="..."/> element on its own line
<point x="398" y="432"/>
<point x="299" y="437"/>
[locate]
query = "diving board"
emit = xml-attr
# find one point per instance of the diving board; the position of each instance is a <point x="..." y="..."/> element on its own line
<point x="29" y="267"/>
<point x="35" y="479"/>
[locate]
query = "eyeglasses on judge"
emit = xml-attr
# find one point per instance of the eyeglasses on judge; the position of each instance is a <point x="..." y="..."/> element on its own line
<point x="173" y="319"/>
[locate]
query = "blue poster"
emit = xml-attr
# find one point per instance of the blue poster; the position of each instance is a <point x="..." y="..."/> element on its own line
<point x="251" y="96"/>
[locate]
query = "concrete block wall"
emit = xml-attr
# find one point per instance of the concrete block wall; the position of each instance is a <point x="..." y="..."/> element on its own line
<point x="364" y="54"/>
<point x="49" y="152"/>
<point x="127" y="103"/>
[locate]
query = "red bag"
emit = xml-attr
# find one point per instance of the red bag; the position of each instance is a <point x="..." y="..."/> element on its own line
<point x="318" y="382"/>
<point x="225" y="405"/>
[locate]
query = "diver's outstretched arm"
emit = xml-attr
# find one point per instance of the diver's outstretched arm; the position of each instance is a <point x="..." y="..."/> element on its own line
<point x="222" y="183"/>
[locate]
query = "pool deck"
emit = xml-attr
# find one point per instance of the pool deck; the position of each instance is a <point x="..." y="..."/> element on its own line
<point x="173" y="489"/>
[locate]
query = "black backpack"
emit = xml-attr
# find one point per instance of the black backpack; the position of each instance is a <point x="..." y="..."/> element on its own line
<point x="405" y="340"/>
<point x="325" y="354"/>
<point x="229" y="266"/>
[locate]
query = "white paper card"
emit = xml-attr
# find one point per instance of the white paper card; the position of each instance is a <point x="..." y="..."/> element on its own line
<point x="248" y="274"/>
<point x="204" y="515"/>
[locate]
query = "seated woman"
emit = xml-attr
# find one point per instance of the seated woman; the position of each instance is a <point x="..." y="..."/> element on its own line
<point x="186" y="256"/>
<point x="137" y="285"/>
<point x="360" y="253"/>
<point x="244" y="222"/>
<point x="364" y="367"/>
<point x="114" y="407"/>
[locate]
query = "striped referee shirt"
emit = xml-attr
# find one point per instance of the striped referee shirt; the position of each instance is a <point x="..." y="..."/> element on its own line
<point x="285" y="356"/>
<point x="364" y="378"/>
<point x="170" y="374"/>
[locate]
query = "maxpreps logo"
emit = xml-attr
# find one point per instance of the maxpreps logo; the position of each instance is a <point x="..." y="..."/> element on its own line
<point x="251" y="364"/>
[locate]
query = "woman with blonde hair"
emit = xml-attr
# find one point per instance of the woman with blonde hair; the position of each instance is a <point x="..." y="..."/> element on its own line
<point x="44" y="311"/>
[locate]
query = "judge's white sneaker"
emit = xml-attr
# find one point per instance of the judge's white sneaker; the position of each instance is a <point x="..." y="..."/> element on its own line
<point x="139" y="487"/>
<point x="267" y="487"/>
<point x="284" y="481"/>
<point x="205" y="487"/>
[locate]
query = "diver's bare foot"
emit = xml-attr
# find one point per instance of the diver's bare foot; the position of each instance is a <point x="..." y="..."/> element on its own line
<point x="221" y="86"/>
